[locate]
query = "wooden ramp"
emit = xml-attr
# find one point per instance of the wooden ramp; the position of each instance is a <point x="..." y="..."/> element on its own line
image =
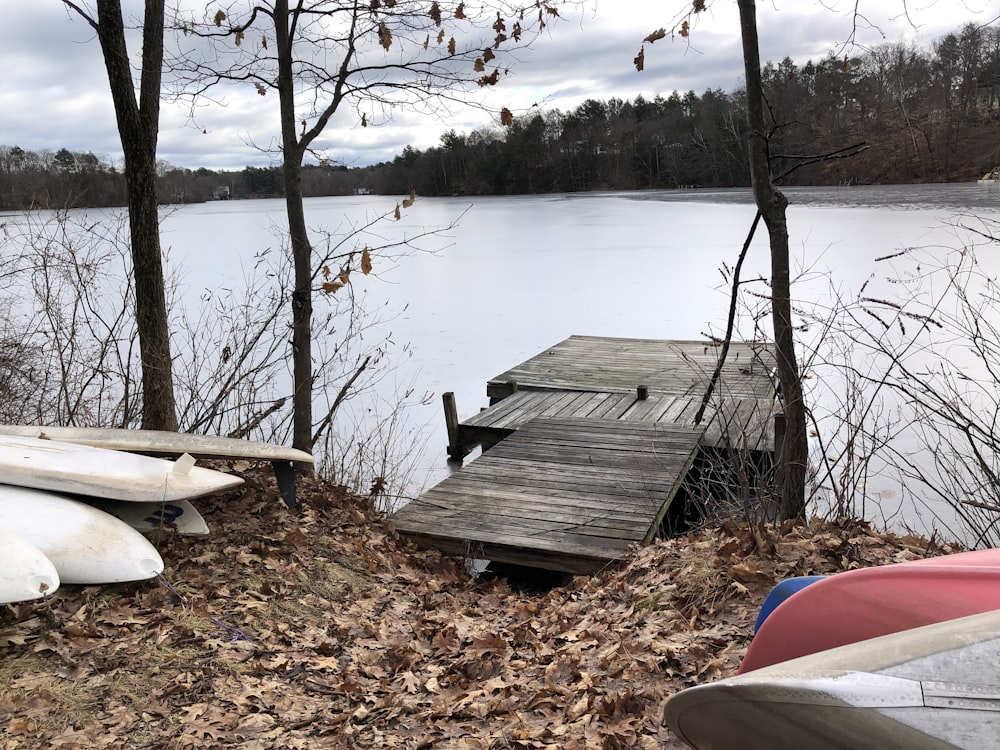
<point x="567" y="494"/>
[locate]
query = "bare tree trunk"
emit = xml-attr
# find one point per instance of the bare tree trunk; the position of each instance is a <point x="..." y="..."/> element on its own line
<point x="791" y="471"/>
<point x="302" y="374"/>
<point x="138" y="126"/>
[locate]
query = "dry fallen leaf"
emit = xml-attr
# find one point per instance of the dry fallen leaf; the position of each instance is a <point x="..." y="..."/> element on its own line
<point x="321" y="627"/>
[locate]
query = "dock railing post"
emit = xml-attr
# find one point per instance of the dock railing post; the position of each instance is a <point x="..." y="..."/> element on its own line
<point x="642" y="392"/>
<point x="451" y="423"/>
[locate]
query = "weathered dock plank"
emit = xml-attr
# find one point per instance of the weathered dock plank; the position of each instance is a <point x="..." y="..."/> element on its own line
<point x="599" y="363"/>
<point x="562" y="494"/>
<point x="643" y="380"/>
<point x="515" y="503"/>
<point x="731" y="422"/>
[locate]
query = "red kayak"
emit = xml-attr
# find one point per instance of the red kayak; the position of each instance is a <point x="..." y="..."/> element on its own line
<point x="871" y="602"/>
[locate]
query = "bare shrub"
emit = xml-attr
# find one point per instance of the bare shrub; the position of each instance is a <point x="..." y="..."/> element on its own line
<point x="69" y="312"/>
<point x="907" y="375"/>
<point x="69" y="350"/>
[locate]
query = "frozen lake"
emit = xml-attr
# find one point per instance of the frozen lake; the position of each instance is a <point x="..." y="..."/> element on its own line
<point x="492" y="281"/>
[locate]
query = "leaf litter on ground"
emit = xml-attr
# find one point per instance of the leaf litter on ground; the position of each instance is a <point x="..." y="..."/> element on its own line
<point x="320" y="627"/>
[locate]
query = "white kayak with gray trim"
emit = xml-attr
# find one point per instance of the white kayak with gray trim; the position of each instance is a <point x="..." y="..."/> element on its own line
<point x="928" y="688"/>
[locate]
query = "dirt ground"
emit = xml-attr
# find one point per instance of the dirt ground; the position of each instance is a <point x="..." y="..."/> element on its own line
<point x="320" y="628"/>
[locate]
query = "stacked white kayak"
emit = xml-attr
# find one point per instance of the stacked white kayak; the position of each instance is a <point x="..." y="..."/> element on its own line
<point x="25" y="572"/>
<point x="160" y="443"/>
<point x="84" y="544"/>
<point x="47" y="538"/>
<point x="99" y="472"/>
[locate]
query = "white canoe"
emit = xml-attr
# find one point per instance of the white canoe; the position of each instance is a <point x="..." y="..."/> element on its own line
<point x="98" y="472"/>
<point x="160" y="443"/>
<point x="179" y="517"/>
<point x="86" y="545"/>
<point x="25" y="572"/>
<point x="928" y="688"/>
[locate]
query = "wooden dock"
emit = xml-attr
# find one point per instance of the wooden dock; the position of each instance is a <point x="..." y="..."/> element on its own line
<point x="569" y="495"/>
<point x="585" y="447"/>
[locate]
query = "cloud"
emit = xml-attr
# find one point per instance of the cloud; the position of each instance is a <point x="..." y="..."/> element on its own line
<point x="56" y="95"/>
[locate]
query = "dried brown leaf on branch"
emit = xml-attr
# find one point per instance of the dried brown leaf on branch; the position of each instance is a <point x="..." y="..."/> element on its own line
<point x="366" y="261"/>
<point x="220" y="16"/>
<point x="506" y="117"/>
<point x="656" y="36"/>
<point x="640" y="60"/>
<point x="491" y="79"/>
<point x="331" y="287"/>
<point x="384" y="36"/>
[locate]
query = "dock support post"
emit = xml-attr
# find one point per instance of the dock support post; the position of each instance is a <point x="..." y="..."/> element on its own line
<point x="451" y="423"/>
<point x="642" y="392"/>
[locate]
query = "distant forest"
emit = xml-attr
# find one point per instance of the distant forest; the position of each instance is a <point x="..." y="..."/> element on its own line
<point x="926" y="114"/>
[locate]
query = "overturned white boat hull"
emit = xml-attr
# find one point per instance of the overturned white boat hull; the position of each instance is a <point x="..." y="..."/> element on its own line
<point x="84" y="544"/>
<point x="180" y="517"/>
<point x="160" y="442"/>
<point x="98" y="472"/>
<point x="25" y="572"/>
<point x="932" y="687"/>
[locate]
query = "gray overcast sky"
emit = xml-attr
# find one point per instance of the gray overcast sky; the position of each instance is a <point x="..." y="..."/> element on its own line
<point x="55" y="92"/>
